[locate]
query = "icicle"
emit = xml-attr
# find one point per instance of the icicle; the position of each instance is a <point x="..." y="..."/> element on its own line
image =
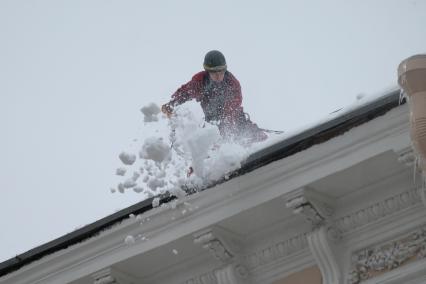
<point x="402" y="96"/>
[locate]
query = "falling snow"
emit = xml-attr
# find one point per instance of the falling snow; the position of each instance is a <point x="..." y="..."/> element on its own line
<point x="170" y="147"/>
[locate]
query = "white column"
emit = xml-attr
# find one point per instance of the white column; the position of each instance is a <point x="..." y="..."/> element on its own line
<point x="325" y="255"/>
<point x="317" y="209"/>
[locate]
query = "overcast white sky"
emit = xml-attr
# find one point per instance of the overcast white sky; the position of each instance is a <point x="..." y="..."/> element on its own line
<point x="74" y="74"/>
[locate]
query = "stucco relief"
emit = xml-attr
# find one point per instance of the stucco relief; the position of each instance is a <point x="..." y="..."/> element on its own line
<point x="370" y="262"/>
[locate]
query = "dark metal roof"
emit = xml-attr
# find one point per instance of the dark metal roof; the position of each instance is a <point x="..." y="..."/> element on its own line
<point x="280" y="150"/>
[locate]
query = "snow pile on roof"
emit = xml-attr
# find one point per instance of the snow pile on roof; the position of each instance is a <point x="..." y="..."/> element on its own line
<point x="173" y="147"/>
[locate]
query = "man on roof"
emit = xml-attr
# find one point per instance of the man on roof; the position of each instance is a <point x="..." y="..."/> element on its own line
<point x="219" y="94"/>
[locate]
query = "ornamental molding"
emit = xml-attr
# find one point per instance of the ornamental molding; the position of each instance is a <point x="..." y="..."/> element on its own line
<point x="220" y="243"/>
<point x="377" y="211"/>
<point x="276" y="252"/>
<point x="316" y="208"/>
<point x="112" y="276"/>
<point x="370" y="262"/>
<point x="206" y="278"/>
<point x="225" y="247"/>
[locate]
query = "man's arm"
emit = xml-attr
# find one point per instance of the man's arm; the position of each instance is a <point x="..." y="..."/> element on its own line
<point x="188" y="91"/>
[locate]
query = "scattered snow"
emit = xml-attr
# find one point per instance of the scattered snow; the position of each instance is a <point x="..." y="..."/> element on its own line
<point x="127" y="158"/>
<point x="130" y="183"/>
<point x="121" y="188"/>
<point x="121" y="171"/>
<point x="129" y="240"/>
<point x="155" y="149"/>
<point x="150" y="112"/>
<point x="138" y="189"/>
<point x="136" y="175"/>
<point x="169" y="147"/>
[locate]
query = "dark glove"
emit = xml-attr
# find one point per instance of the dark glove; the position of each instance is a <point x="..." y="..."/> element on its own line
<point x="167" y="109"/>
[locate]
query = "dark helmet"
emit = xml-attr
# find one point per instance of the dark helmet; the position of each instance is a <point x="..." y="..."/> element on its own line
<point x="214" y="61"/>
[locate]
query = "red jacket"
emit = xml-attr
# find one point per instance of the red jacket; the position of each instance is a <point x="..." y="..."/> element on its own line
<point x="220" y="101"/>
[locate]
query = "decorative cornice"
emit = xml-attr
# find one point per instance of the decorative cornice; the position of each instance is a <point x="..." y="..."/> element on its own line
<point x="371" y="261"/>
<point x="378" y="210"/>
<point x="276" y="251"/>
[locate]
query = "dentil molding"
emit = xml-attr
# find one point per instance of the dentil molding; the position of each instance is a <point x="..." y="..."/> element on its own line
<point x="275" y="252"/>
<point x="378" y="210"/>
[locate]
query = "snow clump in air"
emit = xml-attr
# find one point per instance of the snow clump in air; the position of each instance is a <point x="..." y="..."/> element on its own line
<point x="173" y="147"/>
<point x="150" y="112"/>
<point x="121" y="171"/>
<point x="127" y="158"/>
<point x="154" y="148"/>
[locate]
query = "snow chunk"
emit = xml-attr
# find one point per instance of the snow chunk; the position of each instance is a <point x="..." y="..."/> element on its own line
<point x="121" y="171"/>
<point x="138" y="189"/>
<point x="129" y="240"/>
<point x="150" y="112"/>
<point x="135" y="176"/>
<point x="127" y="158"/>
<point x="130" y="183"/>
<point x="154" y="183"/>
<point x="155" y="202"/>
<point x="175" y="252"/>
<point x="120" y="188"/>
<point x="155" y="149"/>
